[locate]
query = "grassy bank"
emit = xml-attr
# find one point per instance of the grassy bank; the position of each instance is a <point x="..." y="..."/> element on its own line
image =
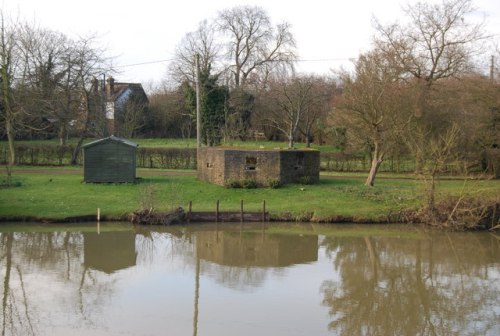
<point x="53" y="195"/>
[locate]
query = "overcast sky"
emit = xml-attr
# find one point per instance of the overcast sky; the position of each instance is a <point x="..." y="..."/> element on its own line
<point x="328" y="32"/>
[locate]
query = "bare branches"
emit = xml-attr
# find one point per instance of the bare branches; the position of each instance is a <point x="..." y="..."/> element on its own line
<point x="201" y="42"/>
<point x="374" y="105"/>
<point x="437" y="43"/>
<point x="241" y="43"/>
<point x="298" y="103"/>
<point x="8" y="67"/>
<point x="252" y="42"/>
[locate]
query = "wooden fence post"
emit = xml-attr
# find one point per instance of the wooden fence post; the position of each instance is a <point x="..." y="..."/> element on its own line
<point x="264" y="211"/>
<point x="217" y="212"/>
<point x="189" y="211"/>
<point x="241" y="211"/>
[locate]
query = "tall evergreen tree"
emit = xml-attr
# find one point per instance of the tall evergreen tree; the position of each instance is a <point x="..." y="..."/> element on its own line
<point x="214" y="100"/>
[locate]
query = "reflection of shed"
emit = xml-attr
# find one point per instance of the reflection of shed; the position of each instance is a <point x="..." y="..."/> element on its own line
<point x="219" y="165"/>
<point x="254" y="249"/>
<point x="109" y="251"/>
<point x="110" y="159"/>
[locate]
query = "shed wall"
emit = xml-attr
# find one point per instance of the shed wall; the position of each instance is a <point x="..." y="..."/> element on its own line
<point x="110" y="162"/>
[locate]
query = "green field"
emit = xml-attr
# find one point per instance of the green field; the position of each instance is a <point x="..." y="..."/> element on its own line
<point x="54" y="195"/>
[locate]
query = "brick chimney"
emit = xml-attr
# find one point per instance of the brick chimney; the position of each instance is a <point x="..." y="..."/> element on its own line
<point x="110" y="87"/>
<point x="110" y="106"/>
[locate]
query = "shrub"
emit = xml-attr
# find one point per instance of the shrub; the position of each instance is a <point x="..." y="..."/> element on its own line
<point x="306" y="180"/>
<point x="274" y="184"/>
<point x="148" y="197"/>
<point x="232" y="184"/>
<point x="166" y="158"/>
<point x="249" y="184"/>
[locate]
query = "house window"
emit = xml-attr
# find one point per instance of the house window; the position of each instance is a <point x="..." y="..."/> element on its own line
<point x="250" y="163"/>
<point x="209" y="165"/>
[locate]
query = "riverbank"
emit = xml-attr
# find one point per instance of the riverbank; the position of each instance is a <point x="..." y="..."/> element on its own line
<point x="61" y="196"/>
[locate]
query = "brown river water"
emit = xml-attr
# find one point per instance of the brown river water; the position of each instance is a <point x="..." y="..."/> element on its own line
<point x="259" y="279"/>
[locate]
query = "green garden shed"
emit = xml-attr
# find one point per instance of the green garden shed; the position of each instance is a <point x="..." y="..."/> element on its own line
<point x="109" y="160"/>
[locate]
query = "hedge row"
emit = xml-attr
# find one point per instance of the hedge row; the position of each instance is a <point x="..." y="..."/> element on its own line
<point x="185" y="158"/>
<point x="55" y="155"/>
<point x="345" y="162"/>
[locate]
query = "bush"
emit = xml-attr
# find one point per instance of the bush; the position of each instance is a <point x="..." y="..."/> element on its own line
<point x="246" y="183"/>
<point x="232" y="184"/>
<point x="306" y="180"/>
<point x="249" y="184"/>
<point x="274" y="184"/>
<point x="166" y="158"/>
<point x="56" y="155"/>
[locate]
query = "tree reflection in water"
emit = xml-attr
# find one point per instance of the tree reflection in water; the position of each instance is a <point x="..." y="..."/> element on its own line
<point x="73" y="282"/>
<point x="21" y="253"/>
<point x="34" y="260"/>
<point x="440" y="285"/>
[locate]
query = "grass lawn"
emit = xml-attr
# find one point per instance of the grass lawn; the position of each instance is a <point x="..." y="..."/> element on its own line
<point x="57" y="196"/>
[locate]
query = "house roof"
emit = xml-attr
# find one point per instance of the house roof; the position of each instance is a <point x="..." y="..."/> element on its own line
<point x="111" y="138"/>
<point x="120" y="88"/>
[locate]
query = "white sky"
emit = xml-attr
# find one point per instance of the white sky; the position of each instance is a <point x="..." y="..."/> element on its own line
<point x="328" y="32"/>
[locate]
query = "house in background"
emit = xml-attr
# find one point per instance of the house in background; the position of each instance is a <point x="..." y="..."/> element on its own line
<point x="126" y="105"/>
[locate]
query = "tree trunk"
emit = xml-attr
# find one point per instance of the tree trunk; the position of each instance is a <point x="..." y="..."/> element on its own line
<point x="12" y="154"/>
<point x="308" y="139"/>
<point x="9" y="122"/>
<point x="76" y="151"/>
<point x="431" y="192"/>
<point x="370" y="181"/>
<point x="6" y="281"/>
<point x="377" y="158"/>
<point x="62" y="134"/>
<point x="290" y="140"/>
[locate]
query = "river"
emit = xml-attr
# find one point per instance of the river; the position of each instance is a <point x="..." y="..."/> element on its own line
<point x="258" y="279"/>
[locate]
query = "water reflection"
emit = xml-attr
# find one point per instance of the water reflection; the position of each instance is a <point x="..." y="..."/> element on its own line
<point x="109" y="251"/>
<point x="245" y="280"/>
<point x="252" y="249"/>
<point x="243" y="260"/>
<point x="441" y="285"/>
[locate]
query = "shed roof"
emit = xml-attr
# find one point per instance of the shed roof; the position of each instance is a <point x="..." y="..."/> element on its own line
<point x="111" y="138"/>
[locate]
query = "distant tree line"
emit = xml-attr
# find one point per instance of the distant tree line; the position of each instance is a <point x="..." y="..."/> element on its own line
<point x="49" y="85"/>
<point x="421" y="92"/>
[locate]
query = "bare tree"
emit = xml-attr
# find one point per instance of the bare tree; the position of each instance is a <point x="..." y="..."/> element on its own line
<point x="372" y="106"/>
<point x="46" y="82"/>
<point x="321" y="98"/>
<point x="293" y="99"/>
<point x="200" y="42"/>
<point x="8" y="65"/>
<point x="89" y="62"/>
<point x="253" y="44"/>
<point x="438" y="42"/>
<point x="441" y="151"/>
<point x="133" y="117"/>
<point x="170" y="113"/>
